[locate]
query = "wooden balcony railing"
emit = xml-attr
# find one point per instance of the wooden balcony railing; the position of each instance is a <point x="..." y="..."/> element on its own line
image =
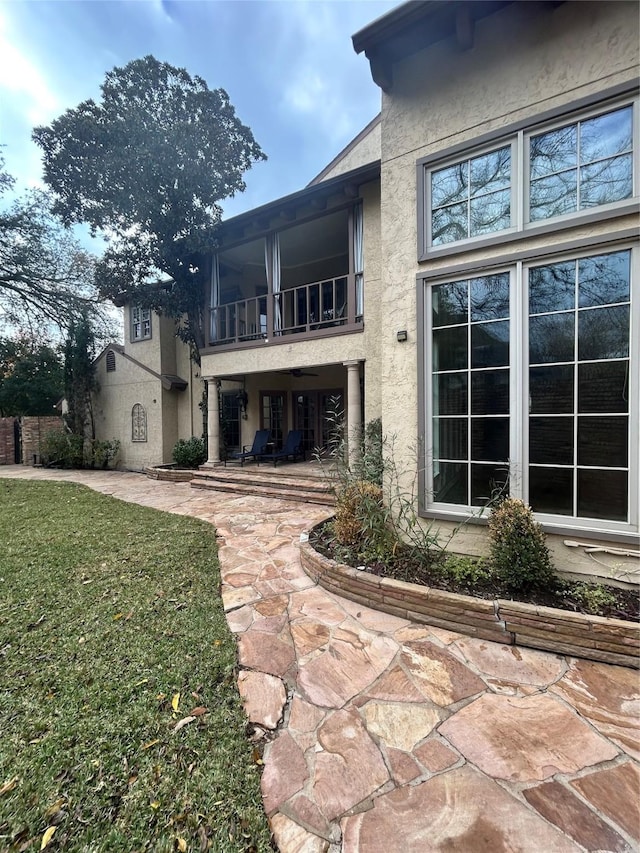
<point x="300" y="310"/>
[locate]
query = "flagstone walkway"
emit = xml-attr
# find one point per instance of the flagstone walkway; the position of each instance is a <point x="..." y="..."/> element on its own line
<point x="384" y="736"/>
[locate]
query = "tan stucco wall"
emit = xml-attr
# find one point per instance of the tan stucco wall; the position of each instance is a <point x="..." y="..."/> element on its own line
<point x="120" y="390"/>
<point x="525" y="60"/>
<point x="366" y="150"/>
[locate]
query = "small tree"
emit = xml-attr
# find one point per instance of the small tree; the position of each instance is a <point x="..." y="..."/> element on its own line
<point x="79" y="378"/>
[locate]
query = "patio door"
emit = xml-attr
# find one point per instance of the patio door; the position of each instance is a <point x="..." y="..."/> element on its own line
<point x="272" y="416"/>
<point x="230" y="420"/>
<point x="318" y="414"/>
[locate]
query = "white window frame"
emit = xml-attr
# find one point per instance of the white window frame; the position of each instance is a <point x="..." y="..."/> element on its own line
<point x="518" y="137"/>
<point x="139" y="317"/>
<point x="519" y="391"/>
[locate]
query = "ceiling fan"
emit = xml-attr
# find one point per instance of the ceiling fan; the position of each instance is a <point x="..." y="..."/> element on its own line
<point x="297" y="371"/>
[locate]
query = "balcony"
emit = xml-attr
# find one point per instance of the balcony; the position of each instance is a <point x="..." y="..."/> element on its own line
<point x="316" y="307"/>
<point x="301" y="281"/>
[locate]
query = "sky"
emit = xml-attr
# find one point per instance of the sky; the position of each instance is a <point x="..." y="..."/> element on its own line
<point x="288" y="66"/>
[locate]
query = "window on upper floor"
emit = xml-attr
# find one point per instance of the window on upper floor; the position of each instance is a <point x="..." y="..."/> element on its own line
<point x="530" y="387"/>
<point x="140" y="323"/>
<point x="554" y="173"/>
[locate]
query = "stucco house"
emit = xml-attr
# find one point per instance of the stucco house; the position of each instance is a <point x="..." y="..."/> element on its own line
<point x="466" y="269"/>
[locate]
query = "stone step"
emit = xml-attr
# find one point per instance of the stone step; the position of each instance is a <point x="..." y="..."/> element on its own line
<point x="266" y="477"/>
<point x="314" y="494"/>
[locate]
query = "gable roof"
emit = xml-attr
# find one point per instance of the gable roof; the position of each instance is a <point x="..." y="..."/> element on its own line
<point x="170" y="382"/>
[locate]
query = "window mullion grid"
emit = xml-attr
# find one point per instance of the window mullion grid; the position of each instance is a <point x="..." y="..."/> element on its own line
<point x="468" y="164"/>
<point x="518" y="384"/>
<point x="575" y="391"/>
<point x="469" y="421"/>
<point x="578" y="170"/>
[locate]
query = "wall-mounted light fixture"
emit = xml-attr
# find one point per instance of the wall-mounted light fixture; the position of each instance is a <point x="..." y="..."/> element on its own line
<point x="401" y="336"/>
<point x="243" y="402"/>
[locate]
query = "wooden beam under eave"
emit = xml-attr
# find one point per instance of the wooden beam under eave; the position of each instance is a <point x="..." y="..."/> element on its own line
<point x="318" y="203"/>
<point x="465" y="26"/>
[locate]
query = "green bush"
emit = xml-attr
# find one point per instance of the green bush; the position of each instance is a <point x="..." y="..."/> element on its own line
<point x="104" y="452"/>
<point x="519" y="553"/>
<point x="62" y="449"/>
<point x="371" y="463"/>
<point x="189" y="453"/>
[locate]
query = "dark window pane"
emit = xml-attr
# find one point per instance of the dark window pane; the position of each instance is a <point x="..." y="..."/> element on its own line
<point x="488" y="482"/>
<point x="604" y="279"/>
<point x="450" y="438"/>
<point x="603" y="441"/>
<point x="450" y="483"/>
<point x="551" y="338"/>
<point x="490" y="439"/>
<point x="490" y="344"/>
<point x="553" y="151"/>
<point x="603" y="333"/>
<point x="490" y="172"/>
<point x="449" y="185"/>
<point x="450" y="348"/>
<point x="449" y="224"/>
<point x="490" y="297"/>
<point x="552" y="288"/>
<point x="603" y="386"/>
<point x="490" y="213"/>
<point x="450" y="303"/>
<point x="490" y="392"/>
<point x="606" y="181"/>
<point x="551" y="389"/>
<point x="450" y="394"/>
<point x="553" y="196"/>
<point x="551" y="490"/>
<point x="551" y="441"/>
<point x="603" y="494"/>
<point x="606" y="135"/>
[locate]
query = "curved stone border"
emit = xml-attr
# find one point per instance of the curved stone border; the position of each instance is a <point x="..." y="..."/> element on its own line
<point x="613" y="641"/>
<point x="172" y="475"/>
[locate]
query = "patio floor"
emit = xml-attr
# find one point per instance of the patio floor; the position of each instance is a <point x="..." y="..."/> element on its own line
<point x="383" y="735"/>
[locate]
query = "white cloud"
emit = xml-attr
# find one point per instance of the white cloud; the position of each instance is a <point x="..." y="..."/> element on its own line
<point x="21" y="80"/>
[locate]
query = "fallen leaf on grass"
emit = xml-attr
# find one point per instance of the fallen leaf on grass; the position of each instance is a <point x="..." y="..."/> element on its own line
<point x="46" y="838"/>
<point x="199" y="711"/>
<point x="175" y="702"/>
<point x="151" y="743"/>
<point x="182" y="845"/>
<point x="35" y="624"/>
<point x="182" y="723"/>
<point x="9" y="786"/>
<point x="56" y="807"/>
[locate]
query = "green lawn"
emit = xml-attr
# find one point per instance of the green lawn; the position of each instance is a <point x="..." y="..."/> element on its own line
<point x="111" y="633"/>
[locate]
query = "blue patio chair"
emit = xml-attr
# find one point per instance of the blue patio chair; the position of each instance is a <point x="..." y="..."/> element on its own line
<point x="256" y="450"/>
<point x="292" y="447"/>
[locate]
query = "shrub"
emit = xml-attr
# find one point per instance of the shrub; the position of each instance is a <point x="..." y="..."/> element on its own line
<point x="371" y="463"/>
<point x="189" y="453"/>
<point x="62" y="449"/>
<point x="594" y="597"/>
<point x="360" y="516"/>
<point x="519" y="553"/>
<point x="104" y="452"/>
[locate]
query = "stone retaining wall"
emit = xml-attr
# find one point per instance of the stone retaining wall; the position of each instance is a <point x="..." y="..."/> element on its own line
<point x="514" y="623"/>
<point x="172" y="475"/>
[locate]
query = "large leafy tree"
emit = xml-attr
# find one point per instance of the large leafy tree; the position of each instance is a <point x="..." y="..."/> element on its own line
<point x="146" y="167"/>
<point x="31" y="377"/>
<point x="46" y="277"/>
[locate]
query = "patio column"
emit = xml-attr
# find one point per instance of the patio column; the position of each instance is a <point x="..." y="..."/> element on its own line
<point x="354" y="413"/>
<point x="213" y="421"/>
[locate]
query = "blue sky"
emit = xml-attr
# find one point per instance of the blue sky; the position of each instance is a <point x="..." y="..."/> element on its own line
<point x="289" y="68"/>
